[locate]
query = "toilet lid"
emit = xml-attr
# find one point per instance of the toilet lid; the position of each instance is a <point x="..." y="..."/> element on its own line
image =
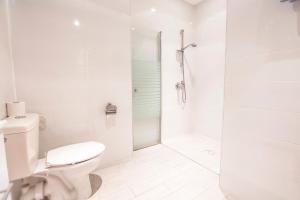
<point x="72" y="154"/>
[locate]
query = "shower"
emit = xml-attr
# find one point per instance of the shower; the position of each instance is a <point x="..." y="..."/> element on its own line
<point x="190" y="45"/>
<point x="180" y="57"/>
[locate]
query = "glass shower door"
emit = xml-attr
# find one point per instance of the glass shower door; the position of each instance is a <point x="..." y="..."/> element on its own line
<point x="146" y="73"/>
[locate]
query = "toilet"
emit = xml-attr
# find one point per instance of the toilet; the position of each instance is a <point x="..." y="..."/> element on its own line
<point x="65" y="169"/>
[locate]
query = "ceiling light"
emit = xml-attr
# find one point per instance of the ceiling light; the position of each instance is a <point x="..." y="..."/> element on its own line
<point x="76" y="23"/>
<point x="153" y="10"/>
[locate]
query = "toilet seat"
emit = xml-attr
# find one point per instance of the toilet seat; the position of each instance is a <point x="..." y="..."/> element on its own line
<point x="73" y="154"/>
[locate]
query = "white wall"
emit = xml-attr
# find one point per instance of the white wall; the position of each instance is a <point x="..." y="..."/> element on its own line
<point x="210" y="28"/>
<point x="170" y="18"/>
<point x="68" y="74"/>
<point x="6" y="73"/>
<point x="6" y="86"/>
<point x="261" y="141"/>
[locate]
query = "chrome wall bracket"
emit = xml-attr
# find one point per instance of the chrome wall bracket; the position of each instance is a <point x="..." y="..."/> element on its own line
<point x="111" y="109"/>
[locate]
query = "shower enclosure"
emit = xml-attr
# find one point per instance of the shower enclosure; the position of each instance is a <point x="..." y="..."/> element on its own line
<point x="146" y="73"/>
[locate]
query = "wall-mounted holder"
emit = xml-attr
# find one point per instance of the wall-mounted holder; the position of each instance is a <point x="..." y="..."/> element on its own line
<point x="111" y="109"/>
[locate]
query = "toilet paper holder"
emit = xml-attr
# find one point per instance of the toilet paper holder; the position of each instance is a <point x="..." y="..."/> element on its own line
<point x="111" y="109"/>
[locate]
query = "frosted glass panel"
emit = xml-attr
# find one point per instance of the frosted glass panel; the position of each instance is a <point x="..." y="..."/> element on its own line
<point x="146" y="70"/>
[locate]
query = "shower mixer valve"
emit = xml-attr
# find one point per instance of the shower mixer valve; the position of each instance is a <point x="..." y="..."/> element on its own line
<point x="180" y="85"/>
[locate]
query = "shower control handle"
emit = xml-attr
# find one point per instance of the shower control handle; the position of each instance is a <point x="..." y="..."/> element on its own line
<point x="180" y="85"/>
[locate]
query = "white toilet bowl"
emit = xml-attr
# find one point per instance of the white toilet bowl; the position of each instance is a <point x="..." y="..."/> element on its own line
<point x="66" y="169"/>
<point x="71" y="166"/>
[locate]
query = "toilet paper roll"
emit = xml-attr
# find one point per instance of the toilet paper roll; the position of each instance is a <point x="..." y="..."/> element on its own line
<point x="15" y="109"/>
<point x="110" y="121"/>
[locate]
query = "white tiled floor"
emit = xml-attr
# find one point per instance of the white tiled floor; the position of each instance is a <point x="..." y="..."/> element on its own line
<point x="159" y="173"/>
<point x="198" y="148"/>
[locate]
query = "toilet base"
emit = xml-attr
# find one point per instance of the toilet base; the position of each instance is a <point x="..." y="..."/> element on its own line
<point x="55" y="190"/>
<point x="70" y="182"/>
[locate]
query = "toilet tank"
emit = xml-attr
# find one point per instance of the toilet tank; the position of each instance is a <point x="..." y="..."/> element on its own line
<point x="21" y="135"/>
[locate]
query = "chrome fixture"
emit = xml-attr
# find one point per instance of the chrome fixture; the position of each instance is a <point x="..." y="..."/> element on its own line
<point x="180" y="57"/>
<point x="110" y="109"/>
<point x="190" y="45"/>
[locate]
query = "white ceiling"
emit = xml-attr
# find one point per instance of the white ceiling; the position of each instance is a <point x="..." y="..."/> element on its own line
<point x="193" y="2"/>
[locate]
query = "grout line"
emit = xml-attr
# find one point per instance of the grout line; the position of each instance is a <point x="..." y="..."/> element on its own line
<point x="194" y="161"/>
<point x="151" y="189"/>
<point x="131" y="190"/>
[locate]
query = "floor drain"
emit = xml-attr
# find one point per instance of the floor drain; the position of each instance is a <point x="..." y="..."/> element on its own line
<point x="210" y="152"/>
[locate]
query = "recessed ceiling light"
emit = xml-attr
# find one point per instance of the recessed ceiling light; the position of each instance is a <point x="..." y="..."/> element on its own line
<point x="133" y="28"/>
<point x="76" y="23"/>
<point x="153" y="10"/>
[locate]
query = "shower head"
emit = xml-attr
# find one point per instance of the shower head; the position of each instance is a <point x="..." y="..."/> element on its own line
<point x="190" y="45"/>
